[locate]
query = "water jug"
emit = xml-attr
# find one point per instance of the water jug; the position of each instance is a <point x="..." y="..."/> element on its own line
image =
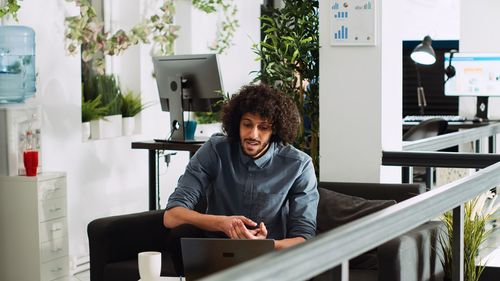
<point x="17" y="63"/>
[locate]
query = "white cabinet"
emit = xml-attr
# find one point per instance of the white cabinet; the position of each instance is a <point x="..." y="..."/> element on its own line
<point x="33" y="228"/>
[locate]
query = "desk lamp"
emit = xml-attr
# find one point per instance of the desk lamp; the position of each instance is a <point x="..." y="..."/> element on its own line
<point x="423" y="54"/>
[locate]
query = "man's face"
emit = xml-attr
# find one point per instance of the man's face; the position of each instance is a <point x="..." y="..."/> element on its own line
<point x="255" y="134"/>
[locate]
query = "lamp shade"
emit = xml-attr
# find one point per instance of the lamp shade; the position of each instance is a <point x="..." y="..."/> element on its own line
<point x="424" y="53"/>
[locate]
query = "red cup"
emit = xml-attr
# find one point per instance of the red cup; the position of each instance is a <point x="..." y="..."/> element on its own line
<point x="30" y="158"/>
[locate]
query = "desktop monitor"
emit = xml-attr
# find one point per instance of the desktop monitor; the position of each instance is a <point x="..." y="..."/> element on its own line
<point x="477" y="75"/>
<point x="187" y="83"/>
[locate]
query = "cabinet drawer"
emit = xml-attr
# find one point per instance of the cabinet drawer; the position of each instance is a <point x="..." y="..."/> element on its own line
<point x="55" y="269"/>
<point x="55" y="188"/>
<point x="51" y="209"/>
<point x="53" y="229"/>
<point x="53" y="249"/>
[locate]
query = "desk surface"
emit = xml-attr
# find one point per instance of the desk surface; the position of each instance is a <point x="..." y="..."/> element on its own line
<point x="454" y="125"/>
<point x="158" y="145"/>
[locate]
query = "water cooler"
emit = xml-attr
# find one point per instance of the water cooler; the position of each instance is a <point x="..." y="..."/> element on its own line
<point x="17" y="63"/>
<point x="15" y="122"/>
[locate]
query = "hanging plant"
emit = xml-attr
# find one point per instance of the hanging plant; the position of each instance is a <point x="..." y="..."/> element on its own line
<point x="87" y="30"/>
<point x="226" y="28"/>
<point x="10" y="8"/>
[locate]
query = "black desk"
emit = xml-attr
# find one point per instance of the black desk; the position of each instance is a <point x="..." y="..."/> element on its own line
<point x="453" y="126"/>
<point x="153" y="148"/>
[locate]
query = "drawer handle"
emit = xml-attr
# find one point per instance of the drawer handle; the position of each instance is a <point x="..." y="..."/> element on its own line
<point x="56" y="250"/>
<point x="56" y="269"/>
<point x="53" y="189"/>
<point x="56" y="229"/>
<point x="55" y="209"/>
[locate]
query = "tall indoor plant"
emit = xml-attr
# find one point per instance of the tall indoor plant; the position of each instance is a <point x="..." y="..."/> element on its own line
<point x="289" y="55"/>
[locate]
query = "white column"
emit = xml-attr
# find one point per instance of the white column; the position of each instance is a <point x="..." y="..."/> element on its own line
<point x="360" y="94"/>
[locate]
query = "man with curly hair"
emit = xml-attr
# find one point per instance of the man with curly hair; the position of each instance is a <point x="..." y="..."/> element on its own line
<point x="257" y="185"/>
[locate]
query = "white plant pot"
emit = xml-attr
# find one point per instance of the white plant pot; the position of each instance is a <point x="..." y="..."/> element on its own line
<point x="85" y="131"/>
<point x="128" y="126"/>
<point x="108" y="127"/>
<point x="207" y="130"/>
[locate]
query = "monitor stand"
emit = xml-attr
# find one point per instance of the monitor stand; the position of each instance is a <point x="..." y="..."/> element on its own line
<point x="482" y="108"/>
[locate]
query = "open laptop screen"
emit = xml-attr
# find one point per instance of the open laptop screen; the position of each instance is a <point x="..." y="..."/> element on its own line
<point x="204" y="256"/>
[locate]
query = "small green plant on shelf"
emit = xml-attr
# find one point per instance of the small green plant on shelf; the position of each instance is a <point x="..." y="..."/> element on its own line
<point x="215" y="115"/>
<point x="92" y="109"/>
<point x="207" y="117"/>
<point x="108" y="89"/>
<point x="131" y="104"/>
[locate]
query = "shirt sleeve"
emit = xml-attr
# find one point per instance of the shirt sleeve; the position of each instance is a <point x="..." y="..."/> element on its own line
<point x="303" y="203"/>
<point x="193" y="183"/>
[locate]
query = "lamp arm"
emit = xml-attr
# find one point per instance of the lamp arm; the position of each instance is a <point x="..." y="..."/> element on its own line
<point x="422" y="103"/>
<point x="419" y="80"/>
<point x="450" y="69"/>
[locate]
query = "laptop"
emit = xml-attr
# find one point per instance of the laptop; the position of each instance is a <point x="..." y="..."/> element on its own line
<point x="204" y="256"/>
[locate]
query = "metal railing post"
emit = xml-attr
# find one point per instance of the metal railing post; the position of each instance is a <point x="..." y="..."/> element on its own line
<point x="457" y="273"/>
<point x="345" y="270"/>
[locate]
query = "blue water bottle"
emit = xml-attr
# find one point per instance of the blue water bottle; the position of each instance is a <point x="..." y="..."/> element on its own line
<point x="17" y="63"/>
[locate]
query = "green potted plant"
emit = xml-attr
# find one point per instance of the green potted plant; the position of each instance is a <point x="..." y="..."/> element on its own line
<point x="130" y="107"/>
<point x="108" y="89"/>
<point x="91" y="110"/>
<point x="477" y="214"/>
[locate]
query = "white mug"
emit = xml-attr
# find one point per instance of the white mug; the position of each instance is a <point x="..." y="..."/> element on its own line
<point x="149" y="265"/>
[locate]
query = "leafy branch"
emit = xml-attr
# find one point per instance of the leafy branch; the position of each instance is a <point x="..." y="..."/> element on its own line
<point x="10" y="8"/>
<point x="87" y="30"/>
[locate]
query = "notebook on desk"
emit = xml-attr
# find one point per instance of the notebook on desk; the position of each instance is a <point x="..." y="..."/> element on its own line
<point x="204" y="256"/>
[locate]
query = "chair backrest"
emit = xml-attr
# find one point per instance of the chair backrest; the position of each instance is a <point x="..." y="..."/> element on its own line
<point x="426" y="129"/>
<point x="376" y="191"/>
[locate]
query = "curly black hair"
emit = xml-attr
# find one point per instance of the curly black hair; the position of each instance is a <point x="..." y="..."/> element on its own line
<point x="270" y="104"/>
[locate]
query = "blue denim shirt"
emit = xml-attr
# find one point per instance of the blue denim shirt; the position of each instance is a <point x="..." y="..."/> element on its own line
<point x="279" y="188"/>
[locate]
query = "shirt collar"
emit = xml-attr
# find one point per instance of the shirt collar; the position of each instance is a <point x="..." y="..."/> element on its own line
<point x="261" y="161"/>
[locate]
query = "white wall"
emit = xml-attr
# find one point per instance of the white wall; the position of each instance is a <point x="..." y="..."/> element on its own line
<point x="478" y="34"/>
<point x="361" y="90"/>
<point x="107" y="177"/>
<point x="437" y="18"/>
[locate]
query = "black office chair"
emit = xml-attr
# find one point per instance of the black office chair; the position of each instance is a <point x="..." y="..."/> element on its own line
<point x="425" y="129"/>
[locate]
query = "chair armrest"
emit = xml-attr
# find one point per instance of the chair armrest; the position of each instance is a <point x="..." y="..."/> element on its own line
<point x="412" y="256"/>
<point x="376" y="191"/>
<point x="120" y="238"/>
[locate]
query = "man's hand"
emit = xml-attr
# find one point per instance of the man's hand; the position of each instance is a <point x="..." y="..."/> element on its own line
<point x="243" y="233"/>
<point x="229" y="225"/>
